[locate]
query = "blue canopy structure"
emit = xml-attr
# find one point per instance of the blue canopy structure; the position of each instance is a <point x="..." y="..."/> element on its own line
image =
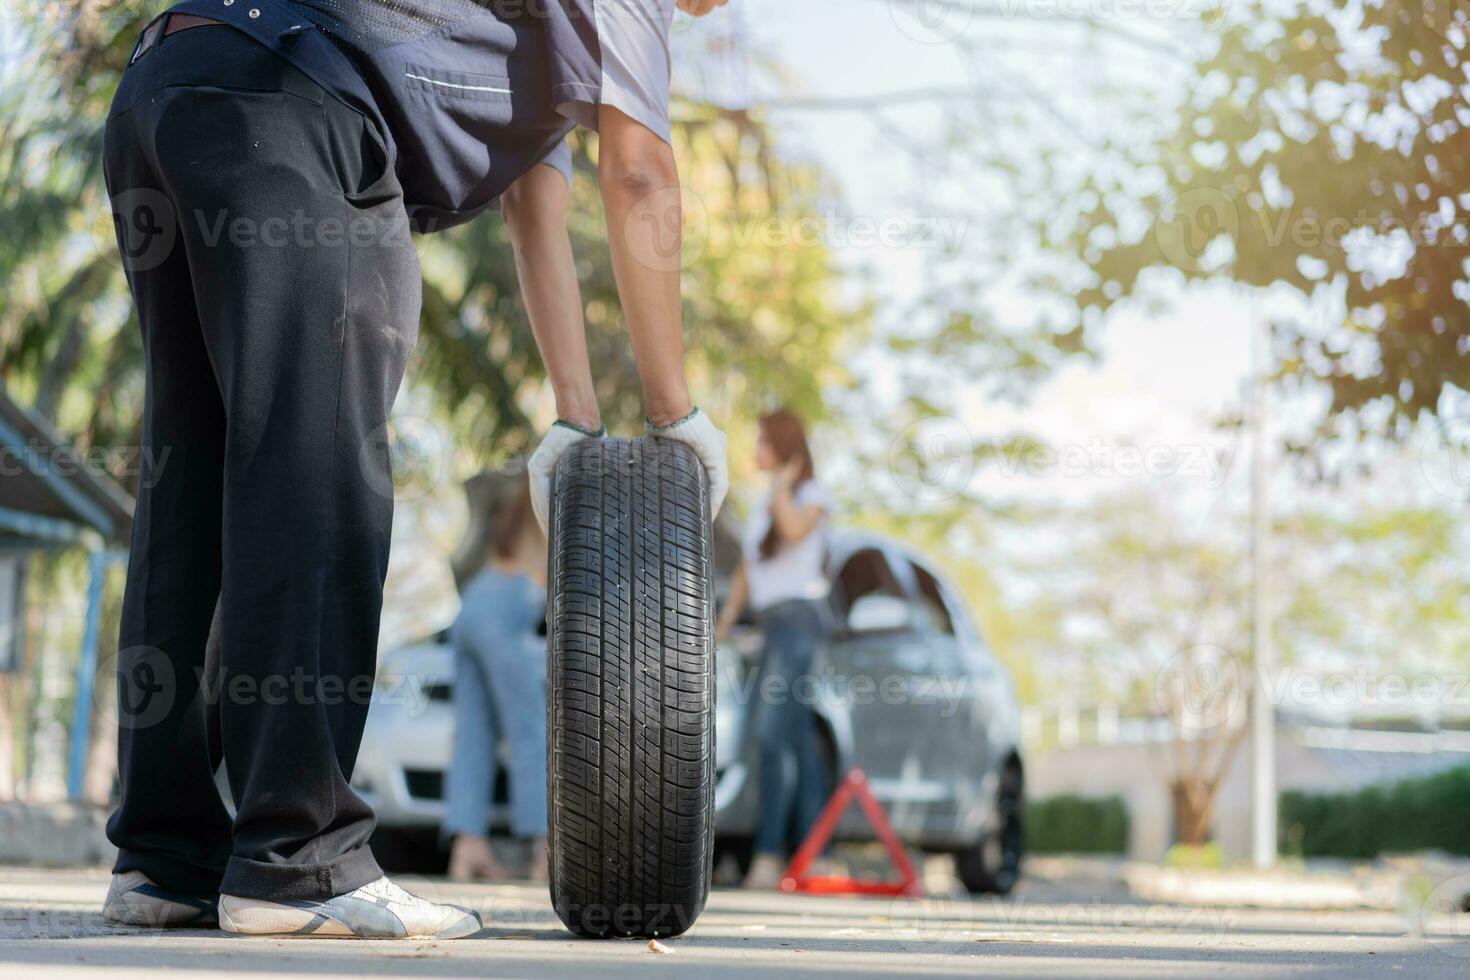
<point x="51" y="497"/>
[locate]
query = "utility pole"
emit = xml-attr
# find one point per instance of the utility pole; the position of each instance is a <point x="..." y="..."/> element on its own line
<point x="1263" y="714"/>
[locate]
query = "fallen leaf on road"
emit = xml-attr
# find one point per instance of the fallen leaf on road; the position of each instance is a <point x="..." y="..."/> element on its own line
<point x="654" y="946"/>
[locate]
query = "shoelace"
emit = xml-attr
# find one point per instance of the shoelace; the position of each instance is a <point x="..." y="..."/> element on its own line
<point x="385" y="888"/>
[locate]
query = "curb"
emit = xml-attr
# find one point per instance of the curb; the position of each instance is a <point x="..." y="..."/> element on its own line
<point x="1312" y="891"/>
<point x="1390" y="883"/>
<point x="54" y="835"/>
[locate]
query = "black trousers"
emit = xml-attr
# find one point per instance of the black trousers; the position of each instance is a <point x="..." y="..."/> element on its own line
<point x="266" y="245"/>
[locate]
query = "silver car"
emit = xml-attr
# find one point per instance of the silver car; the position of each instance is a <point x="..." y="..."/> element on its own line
<point x="905" y="689"/>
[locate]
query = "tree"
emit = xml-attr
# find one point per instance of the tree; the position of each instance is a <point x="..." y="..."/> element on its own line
<point x="1317" y="146"/>
<point x="1139" y="597"/>
<point x="764" y="321"/>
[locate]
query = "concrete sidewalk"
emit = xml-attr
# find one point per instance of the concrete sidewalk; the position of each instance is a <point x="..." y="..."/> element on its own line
<point x="49" y="924"/>
<point x="1388" y="884"/>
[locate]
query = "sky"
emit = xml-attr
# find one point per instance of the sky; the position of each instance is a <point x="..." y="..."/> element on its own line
<point x="1146" y="414"/>
<point x="1165" y="378"/>
<point x="1160" y="379"/>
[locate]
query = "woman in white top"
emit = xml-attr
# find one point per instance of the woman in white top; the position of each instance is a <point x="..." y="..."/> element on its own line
<point x="783" y="579"/>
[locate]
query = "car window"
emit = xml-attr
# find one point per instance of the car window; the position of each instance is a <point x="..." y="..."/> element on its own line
<point x="868" y="596"/>
<point x="879" y="613"/>
<point x="933" y="610"/>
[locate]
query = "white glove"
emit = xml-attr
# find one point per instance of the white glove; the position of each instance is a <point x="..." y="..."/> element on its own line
<point x="561" y="437"/>
<point x="699" y="433"/>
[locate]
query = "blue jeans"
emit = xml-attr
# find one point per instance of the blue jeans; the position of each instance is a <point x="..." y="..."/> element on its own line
<point x="499" y="689"/>
<point x="792" y="778"/>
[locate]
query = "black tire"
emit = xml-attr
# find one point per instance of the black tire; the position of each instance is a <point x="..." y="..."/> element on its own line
<point x="993" y="864"/>
<point x="631" y="688"/>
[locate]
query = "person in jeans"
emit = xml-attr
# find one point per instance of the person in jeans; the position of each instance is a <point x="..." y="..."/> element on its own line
<point x="265" y="161"/>
<point x="782" y="578"/>
<point x="500" y="684"/>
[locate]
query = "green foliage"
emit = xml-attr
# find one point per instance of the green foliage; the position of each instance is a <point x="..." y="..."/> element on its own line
<point x="763" y="322"/>
<point x="60" y="344"/>
<point x="1320" y="146"/>
<point x="1376" y="587"/>
<point x="1071" y="824"/>
<point x="1411" y="815"/>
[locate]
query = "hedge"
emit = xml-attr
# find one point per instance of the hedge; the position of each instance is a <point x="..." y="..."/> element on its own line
<point x="1412" y="815"/>
<point x="1071" y="824"/>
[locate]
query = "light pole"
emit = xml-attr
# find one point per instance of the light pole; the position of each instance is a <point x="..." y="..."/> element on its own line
<point x="1263" y="714"/>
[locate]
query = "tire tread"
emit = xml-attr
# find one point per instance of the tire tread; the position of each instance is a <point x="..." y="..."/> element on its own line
<point x="631" y="689"/>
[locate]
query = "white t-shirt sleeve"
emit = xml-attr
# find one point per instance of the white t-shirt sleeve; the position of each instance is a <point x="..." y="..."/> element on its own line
<point x="795" y="571"/>
<point x="633" y="55"/>
<point x="811" y="494"/>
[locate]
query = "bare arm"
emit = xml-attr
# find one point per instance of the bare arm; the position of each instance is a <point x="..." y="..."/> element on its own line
<point x="641" y="195"/>
<point x="535" y="210"/>
<point x="792" y="521"/>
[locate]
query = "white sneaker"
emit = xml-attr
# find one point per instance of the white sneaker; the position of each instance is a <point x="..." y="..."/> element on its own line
<point x="377" y="910"/>
<point x="765" y="873"/>
<point x="133" y="899"/>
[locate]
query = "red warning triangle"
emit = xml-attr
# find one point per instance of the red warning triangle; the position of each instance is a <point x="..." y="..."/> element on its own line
<point x="854" y="784"/>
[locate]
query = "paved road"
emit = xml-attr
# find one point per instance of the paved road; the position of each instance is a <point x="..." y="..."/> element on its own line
<point x="49" y="927"/>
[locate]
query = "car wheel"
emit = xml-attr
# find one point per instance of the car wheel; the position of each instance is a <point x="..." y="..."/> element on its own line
<point x="733" y="857"/>
<point x="631" y="688"/>
<point x="993" y="864"/>
<point x="409" y="850"/>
